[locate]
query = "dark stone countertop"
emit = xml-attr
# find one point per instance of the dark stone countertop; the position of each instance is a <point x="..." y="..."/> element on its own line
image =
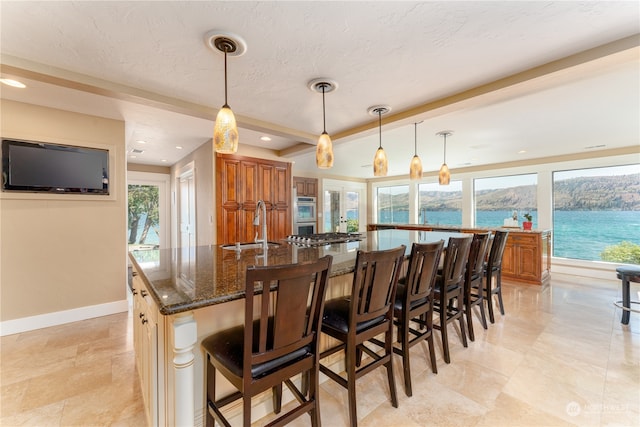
<point x="183" y="279"/>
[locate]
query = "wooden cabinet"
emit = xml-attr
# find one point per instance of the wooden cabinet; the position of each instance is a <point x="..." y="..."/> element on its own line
<point x="240" y="183"/>
<point x="145" y="345"/>
<point x="527" y="257"/>
<point x="305" y="186"/>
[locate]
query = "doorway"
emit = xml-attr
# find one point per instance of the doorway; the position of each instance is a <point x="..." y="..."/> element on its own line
<point x="147" y="211"/>
<point x="343" y="207"/>
<point x="186" y="194"/>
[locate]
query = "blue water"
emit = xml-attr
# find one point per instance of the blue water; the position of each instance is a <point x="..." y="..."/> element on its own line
<point x="576" y="234"/>
<point x="152" y="236"/>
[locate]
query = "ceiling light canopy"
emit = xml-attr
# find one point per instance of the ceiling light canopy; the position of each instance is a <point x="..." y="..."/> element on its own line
<point x="380" y="162"/>
<point x="444" y="176"/>
<point x="324" y="148"/>
<point x="415" y="167"/>
<point x="225" y="131"/>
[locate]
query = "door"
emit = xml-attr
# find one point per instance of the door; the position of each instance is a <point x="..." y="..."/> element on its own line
<point x="148" y="211"/>
<point x="343" y="207"/>
<point x="187" y="222"/>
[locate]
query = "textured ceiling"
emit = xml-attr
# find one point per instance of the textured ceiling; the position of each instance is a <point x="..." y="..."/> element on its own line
<point x="147" y="63"/>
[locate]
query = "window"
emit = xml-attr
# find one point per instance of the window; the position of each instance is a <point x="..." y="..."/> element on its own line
<point x="393" y="204"/>
<point x="596" y="213"/>
<point x="440" y="204"/>
<point x="144" y="217"/>
<point x="148" y="211"/>
<point x="497" y="198"/>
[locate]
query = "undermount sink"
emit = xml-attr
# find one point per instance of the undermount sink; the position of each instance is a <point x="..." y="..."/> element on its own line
<point x="250" y="245"/>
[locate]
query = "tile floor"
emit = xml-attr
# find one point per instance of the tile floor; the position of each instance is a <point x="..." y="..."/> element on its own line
<point x="559" y="357"/>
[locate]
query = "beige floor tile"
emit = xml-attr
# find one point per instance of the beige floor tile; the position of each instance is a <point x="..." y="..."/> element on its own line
<point x="43" y="416"/>
<point x="66" y="383"/>
<point x="552" y="396"/>
<point x="558" y="357"/>
<point x="508" y="411"/>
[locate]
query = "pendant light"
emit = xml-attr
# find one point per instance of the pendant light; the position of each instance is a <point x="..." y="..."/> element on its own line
<point x="415" y="167"/>
<point x="324" y="148"/>
<point x="380" y="162"/>
<point x="444" y="176"/>
<point x="225" y="131"/>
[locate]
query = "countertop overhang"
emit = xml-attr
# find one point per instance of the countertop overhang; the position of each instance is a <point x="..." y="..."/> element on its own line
<point x="183" y="279"/>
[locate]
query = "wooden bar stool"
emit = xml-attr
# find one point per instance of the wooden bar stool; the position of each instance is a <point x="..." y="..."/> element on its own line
<point x="473" y="292"/>
<point x="360" y="317"/>
<point x="414" y="305"/>
<point x="493" y="268"/>
<point x="280" y="342"/>
<point x="627" y="273"/>
<point x="449" y="290"/>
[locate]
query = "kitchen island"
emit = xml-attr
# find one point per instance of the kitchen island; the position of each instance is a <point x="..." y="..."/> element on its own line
<point x="183" y="295"/>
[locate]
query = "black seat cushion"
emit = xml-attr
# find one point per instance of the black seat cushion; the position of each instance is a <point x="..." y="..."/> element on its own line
<point x="228" y="348"/>
<point x="438" y="285"/>
<point x="632" y="273"/>
<point x="336" y="316"/>
<point x="400" y="296"/>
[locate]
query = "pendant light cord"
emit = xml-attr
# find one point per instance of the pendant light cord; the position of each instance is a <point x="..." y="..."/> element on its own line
<point x="380" y="125"/>
<point x="226" y="48"/>
<point x="445" y="148"/>
<point x="415" y="139"/>
<point x="324" y="119"/>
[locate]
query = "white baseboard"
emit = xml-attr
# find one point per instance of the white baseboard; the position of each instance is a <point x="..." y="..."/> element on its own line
<point x="16" y="326"/>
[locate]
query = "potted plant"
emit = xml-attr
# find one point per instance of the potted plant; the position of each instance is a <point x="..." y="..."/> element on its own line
<point x="527" y="223"/>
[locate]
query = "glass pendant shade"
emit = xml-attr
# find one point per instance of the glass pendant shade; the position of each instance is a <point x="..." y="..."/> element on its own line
<point x="380" y="163"/>
<point x="415" y="169"/>
<point x="324" y="151"/>
<point x="444" y="176"/>
<point x="225" y="131"/>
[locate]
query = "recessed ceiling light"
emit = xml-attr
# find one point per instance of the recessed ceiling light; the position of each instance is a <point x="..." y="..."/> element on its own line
<point x="178" y="147"/>
<point x="366" y="166"/>
<point x="265" y="138"/>
<point x="140" y="141"/>
<point x="591" y="147"/>
<point x="137" y="151"/>
<point x="132" y="157"/>
<point x="163" y="160"/>
<point x="13" y="83"/>
<point x="522" y="151"/>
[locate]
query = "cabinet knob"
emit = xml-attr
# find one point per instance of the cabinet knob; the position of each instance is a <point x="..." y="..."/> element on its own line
<point x="134" y="292"/>
<point x="134" y="273"/>
<point x="144" y="321"/>
<point x="141" y="315"/>
<point x="143" y="293"/>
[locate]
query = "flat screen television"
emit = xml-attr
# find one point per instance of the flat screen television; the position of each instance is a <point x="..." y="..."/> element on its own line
<point x="29" y="166"/>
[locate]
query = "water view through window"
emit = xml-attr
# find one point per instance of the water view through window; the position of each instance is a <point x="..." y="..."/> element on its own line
<point x="144" y="217"/>
<point x="440" y="204"/>
<point x="596" y="214"/>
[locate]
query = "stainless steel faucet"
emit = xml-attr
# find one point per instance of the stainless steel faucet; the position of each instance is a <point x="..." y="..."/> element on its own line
<point x="256" y="222"/>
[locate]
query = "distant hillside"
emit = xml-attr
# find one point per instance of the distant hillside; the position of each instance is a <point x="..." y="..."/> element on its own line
<point x="621" y="193"/>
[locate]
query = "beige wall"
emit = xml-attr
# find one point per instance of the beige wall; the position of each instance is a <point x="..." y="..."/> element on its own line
<point x="202" y="158"/>
<point x="61" y="252"/>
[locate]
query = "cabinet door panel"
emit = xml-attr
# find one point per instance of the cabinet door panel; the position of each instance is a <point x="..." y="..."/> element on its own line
<point x="528" y="262"/>
<point x="282" y="195"/>
<point x="509" y="264"/>
<point x="249" y="183"/>
<point x="311" y="186"/>
<point x="267" y="183"/>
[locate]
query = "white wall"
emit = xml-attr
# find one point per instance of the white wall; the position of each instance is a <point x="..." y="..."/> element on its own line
<point x="62" y="257"/>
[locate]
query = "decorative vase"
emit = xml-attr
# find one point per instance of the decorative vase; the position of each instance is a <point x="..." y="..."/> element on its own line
<point x="526" y="225"/>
